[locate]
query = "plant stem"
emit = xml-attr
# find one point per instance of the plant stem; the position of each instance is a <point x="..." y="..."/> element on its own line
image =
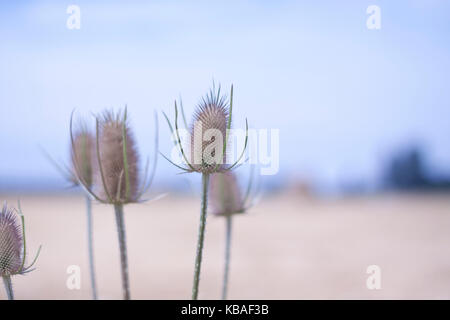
<point x="8" y="287"/>
<point x="118" y="209"/>
<point x="227" y="257"/>
<point x="201" y="236"/>
<point x="91" y="246"/>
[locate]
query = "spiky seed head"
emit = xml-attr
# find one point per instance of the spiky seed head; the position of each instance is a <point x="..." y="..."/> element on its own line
<point x="208" y="132"/>
<point x="224" y="194"/>
<point x="112" y="160"/>
<point x="11" y="243"/>
<point x="82" y="155"/>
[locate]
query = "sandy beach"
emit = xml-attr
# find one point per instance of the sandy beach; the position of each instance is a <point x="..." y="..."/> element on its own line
<point x="286" y="247"/>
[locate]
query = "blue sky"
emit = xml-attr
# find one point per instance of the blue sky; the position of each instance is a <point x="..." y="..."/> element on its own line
<point x="344" y="97"/>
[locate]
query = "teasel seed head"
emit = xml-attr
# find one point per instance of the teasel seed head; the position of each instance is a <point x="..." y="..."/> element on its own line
<point x="225" y="196"/>
<point x="210" y="122"/>
<point x="82" y="155"/>
<point x="11" y="243"/>
<point x="116" y="167"/>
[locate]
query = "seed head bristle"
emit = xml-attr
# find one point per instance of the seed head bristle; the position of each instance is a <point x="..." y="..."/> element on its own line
<point x="211" y="114"/>
<point x="11" y="243"/>
<point x="82" y="155"/>
<point x="224" y="194"/>
<point x="112" y="160"/>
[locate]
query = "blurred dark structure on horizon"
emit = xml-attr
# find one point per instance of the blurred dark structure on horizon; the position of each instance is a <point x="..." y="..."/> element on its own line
<point x="407" y="170"/>
<point x="404" y="169"/>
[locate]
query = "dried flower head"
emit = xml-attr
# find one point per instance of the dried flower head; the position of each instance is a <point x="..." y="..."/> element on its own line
<point x="208" y="135"/>
<point x="225" y="195"/>
<point x="116" y="176"/>
<point x="115" y="160"/>
<point x="11" y="243"/>
<point x="208" y="132"/>
<point x="82" y="155"/>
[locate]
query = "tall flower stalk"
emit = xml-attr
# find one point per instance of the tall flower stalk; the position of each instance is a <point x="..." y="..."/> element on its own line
<point x="82" y="158"/>
<point x="12" y="248"/>
<point x="80" y="174"/>
<point x="116" y="175"/>
<point x="226" y="201"/>
<point x="201" y="236"/>
<point x="208" y="141"/>
<point x="227" y="257"/>
<point x="90" y="238"/>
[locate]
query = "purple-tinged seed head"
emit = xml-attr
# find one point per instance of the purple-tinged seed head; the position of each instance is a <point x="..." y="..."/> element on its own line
<point x="82" y="155"/>
<point x="11" y="243"/>
<point x="224" y="194"/>
<point x="112" y="160"/>
<point x="211" y="116"/>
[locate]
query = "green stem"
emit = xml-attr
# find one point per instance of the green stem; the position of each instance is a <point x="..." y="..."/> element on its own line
<point x="201" y="236"/>
<point x="8" y="287"/>
<point x="227" y="257"/>
<point x="118" y="209"/>
<point x="91" y="246"/>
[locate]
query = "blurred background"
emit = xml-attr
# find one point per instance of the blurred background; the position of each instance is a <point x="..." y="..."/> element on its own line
<point x="364" y="156"/>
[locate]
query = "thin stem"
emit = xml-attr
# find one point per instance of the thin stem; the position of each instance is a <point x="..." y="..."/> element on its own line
<point x="118" y="209"/>
<point x="91" y="246"/>
<point x="8" y="287"/>
<point x="201" y="236"/>
<point x="227" y="257"/>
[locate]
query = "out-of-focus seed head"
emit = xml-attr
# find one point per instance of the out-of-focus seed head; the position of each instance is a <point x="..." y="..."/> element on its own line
<point x="82" y="155"/>
<point x="11" y="243"/>
<point x="224" y="194"/>
<point x="208" y="131"/>
<point x="112" y="187"/>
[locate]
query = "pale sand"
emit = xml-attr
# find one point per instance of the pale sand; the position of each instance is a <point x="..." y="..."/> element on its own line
<point x="284" y="248"/>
